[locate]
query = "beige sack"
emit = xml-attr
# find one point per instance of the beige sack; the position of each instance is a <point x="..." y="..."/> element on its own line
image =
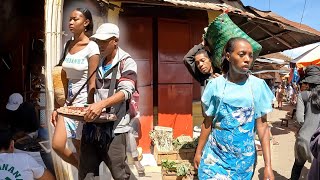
<point x="60" y="85"/>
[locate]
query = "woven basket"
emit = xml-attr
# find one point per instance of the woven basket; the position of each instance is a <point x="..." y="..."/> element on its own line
<point x="60" y="84"/>
<point x="220" y="31"/>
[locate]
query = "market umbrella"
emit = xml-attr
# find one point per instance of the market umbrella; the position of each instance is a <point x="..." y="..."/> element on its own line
<point x="311" y="57"/>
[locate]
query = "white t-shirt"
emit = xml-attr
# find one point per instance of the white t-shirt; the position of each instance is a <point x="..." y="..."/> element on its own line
<point x="76" y="67"/>
<point x="18" y="166"/>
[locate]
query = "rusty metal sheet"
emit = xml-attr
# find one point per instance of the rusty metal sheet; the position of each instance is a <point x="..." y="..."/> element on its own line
<point x="172" y="46"/>
<point x="175" y="108"/>
<point x="173" y="73"/>
<point x="146" y="117"/>
<point x="136" y="39"/>
<point x="144" y="72"/>
<point x="175" y="98"/>
<point x="136" y="36"/>
<point x="146" y="100"/>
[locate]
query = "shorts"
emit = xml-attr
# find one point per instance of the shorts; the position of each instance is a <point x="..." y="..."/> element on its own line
<point x="74" y="128"/>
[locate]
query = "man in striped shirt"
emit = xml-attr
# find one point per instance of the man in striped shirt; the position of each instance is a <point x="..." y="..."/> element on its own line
<point x="107" y="141"/>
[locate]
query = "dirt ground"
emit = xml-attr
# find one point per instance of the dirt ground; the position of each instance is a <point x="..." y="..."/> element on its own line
<point x="282" y="154"/>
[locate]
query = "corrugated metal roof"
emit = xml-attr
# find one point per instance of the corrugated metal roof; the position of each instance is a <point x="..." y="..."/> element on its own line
<point x="278" y="56"/>
<point x="217" y="5"/>
<point x="273" y="16"/>
<point x="273" y="32"/>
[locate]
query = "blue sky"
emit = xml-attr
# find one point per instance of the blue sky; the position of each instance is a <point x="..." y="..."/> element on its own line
<point x="292" y="10"/>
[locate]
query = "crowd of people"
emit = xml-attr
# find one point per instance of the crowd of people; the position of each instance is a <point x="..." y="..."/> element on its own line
<point x="103" y="77"/>
<point x="285" y="92"/>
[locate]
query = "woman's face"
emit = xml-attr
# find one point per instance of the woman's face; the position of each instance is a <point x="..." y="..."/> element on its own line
<point x="241" y="57"/>
<point x="77" y="22"/>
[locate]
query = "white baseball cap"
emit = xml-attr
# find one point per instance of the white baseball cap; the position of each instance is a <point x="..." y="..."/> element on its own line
<point x="14" y="101"/>
<point x="106" y="31"/>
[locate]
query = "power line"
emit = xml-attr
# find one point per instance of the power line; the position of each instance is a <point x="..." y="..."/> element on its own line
<point x="269" y="5"/>
<point x="304" y="7"/>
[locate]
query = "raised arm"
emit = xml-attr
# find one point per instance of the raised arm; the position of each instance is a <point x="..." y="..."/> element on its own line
<point x="189" y="61"/>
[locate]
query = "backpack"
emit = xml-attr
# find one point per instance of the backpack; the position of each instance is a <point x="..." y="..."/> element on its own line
<point x="134" y="105"/>
<point x="134" y="100"/>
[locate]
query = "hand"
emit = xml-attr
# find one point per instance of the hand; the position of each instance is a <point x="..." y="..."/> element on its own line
<point x="203" y="42"/>
<point x="215" y="75"/>
<point x="196" y="160"/>
<point x="93" y="111"/>
<point x="268" y="173"/>
<point x="54" y="117"/>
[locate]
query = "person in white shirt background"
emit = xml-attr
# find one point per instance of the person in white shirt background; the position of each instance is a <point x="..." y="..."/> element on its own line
<point x="19" y="165"/>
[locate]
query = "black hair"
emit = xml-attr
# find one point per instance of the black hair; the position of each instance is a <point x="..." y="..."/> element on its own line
<point x="203" y="51"/>
<point x="315" y="95"/>
<point x="209" y="56"/>
<point x="87" y="15"/>
<point x="5" y="139"/>
<point x="229" y="48"/>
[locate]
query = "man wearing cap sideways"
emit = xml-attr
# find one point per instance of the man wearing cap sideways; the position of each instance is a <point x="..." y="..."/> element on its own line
<point x="107" y="141"/>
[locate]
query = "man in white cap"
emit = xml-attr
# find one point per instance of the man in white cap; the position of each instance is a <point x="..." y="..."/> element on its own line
<point x="14" y="101"/>
<point x="21" y="117"/>
<point x="107" y="141"/>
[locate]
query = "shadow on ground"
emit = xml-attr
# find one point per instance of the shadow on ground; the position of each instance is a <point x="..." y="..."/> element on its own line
<point x="277" y="176"/>
<point x="277" y="129"/>
<point x="292" y="124"/>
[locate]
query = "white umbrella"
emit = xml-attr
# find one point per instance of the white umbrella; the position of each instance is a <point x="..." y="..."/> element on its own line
<point x="311" y="57"/>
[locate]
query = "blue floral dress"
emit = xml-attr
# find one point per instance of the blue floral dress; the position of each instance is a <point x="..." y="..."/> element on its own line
<point x="230" y="150"/>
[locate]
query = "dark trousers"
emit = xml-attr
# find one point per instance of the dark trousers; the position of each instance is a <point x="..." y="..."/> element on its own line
<point x="114" y="155"/>
<point x="296" y="170"/>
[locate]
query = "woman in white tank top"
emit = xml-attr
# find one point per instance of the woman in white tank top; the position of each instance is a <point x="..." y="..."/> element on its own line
<point x="81" y="60"/>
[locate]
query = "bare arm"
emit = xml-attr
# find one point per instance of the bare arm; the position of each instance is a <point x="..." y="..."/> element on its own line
<point x="93" y="64"/>
<point x="205" y="131"/>
<point x="47" y="176"/>
<point x="264" y="136"/>
<point x="189" y="61"/>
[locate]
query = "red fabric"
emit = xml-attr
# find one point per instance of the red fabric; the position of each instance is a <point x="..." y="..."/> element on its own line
<point x="291" y="75"/>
